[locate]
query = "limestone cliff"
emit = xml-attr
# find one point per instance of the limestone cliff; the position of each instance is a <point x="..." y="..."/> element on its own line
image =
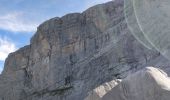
<point x="71" y="55"/>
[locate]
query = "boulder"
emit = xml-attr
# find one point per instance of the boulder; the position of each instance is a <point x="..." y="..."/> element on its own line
<point x="148" y="84"/>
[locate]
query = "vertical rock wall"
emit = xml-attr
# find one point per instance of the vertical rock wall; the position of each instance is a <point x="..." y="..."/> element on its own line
<point x="71" y="55"/>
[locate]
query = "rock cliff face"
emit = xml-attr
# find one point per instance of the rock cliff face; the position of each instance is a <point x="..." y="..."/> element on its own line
<point x="71" y="55"/>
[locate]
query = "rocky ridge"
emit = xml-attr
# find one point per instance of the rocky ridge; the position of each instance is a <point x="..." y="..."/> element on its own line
<point x="72" y="55"/>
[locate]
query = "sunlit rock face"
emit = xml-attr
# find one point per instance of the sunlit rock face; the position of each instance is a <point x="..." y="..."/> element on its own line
<point x="72" y="55"/>
<point x="147" y="84"/>
<point x="149" y="22"/>
<point x="99" y="92"/>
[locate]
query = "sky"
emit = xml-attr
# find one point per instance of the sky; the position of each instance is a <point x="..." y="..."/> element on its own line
<point x="19" y="19"/>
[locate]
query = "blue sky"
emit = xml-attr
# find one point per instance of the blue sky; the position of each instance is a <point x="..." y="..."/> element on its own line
<point x="20" y="18"/>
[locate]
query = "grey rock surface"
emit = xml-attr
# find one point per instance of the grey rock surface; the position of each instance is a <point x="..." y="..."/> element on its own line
<point x="148" y="84"/>
<point x="99" y="92"/>
<point x="72" y="55"/>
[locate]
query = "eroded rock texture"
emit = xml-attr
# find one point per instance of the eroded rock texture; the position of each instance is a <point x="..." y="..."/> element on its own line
<point x="71" y="55"/>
